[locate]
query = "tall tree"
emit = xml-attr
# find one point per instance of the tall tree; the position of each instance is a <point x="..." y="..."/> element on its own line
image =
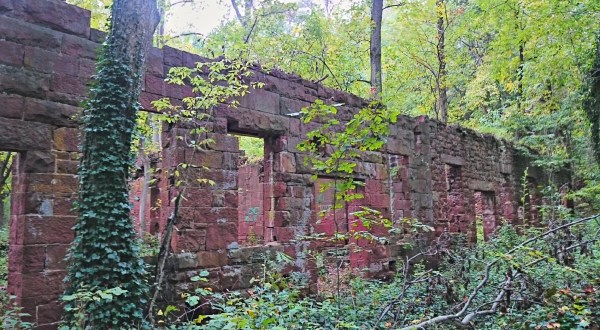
<point x="375" y="50"/>
<point x="442" y="74"/>
<point x="104" y="254"/>
<point x="592" y="108"/>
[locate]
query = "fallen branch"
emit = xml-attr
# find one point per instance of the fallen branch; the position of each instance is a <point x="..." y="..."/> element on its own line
<point x="484" y="281"/>
<point x="163" y="254"/>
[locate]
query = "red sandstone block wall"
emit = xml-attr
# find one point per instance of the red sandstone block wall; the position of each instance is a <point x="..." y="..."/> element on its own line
<point x="47" y="53"/>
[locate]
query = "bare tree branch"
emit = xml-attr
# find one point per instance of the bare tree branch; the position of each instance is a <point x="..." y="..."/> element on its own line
<point x="394" y="5"/>
<point x="238" y="14"/>
<point x="163" y="254"/>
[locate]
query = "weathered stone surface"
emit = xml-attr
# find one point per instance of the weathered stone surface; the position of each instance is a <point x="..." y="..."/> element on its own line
<point x="77" y="47"/>
<point x="155" y="62"/>
<point x="48" y="230"/>
<point x="454" y="160"/>
<point x="56" y="15"/>
<point x="43" y="283"/>
<point x="154" y="85"/>
<point x="208" y="259"/>
<point x="68" y="84"/>
<point x="22" y="135"/>
<point x="18" y="81"/>
<point x="246" y="120"/>
<point x="40" y="60"/>
<point x="50" y="112"/>
<point x="11" y="106"/>
<point x="261" y="100"/>
<point x="12" y="53"/>
<point x="38" y="162"/>
<point x="190" y="240"/>
<point x="66" y="139"/>
<point x="172" y="56"/>
<point x="97" y="36"/>
<point x="17" y="31"/>
<point x="55" y="256"/>
<point x="221" y="236"/>
<point x="481" y="185"/>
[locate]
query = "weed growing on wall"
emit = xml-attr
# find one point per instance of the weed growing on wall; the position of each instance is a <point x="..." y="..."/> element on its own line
<point x="215" y="83"/>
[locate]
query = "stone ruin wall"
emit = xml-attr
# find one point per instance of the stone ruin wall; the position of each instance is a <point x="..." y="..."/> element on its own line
<point x="446" y="175"/>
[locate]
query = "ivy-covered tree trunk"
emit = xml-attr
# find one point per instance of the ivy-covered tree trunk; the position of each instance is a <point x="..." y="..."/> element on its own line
<point x="104" y="254"/>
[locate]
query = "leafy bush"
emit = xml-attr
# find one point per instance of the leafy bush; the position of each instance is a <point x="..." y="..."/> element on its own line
<point x="11" y="316"/>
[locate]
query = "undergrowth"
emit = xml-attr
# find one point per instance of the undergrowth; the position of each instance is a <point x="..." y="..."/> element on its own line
<point x="549" y="290"/>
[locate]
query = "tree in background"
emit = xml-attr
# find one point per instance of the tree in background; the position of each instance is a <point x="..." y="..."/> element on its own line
<point x="6" y="162"/>
<point x="104" y="253"/>
<point x="593" y="102"/>
<point x="375" y="50"/>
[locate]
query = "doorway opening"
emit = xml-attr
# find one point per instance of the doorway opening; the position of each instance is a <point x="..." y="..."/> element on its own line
<point x="485" y="215"/>
<point x="251" y="192"/>
<point x="7" y="159"/>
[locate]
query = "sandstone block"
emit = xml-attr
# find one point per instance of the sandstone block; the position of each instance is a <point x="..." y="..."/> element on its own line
<point x="190" y="240"/>
<point x="154" y="85"/>
<point x="49" y="62"/>
<point x="285" y="162"/>
<point x="12" y="53"/>
<point x="49" y="313"/>
<point x="56" y="15"/>
<point x="66" y="139"/>
<point x="155" y="62"/>
<point x="221" y="236"/>
<point x="38" y="162"/>
<point x="44" y="283"/>
<point x="48" y="230"/>
<point x="12" y="106"/>
<point x="51" y="113"/>
<point x="172" y="56"/>
<point x="68" y="84"/>
<point x="21" y="136"/>
<point x="15" y="30"/>
<point x="55" y="256"/>
<point x="211" y="259"/>
<point x="23" y="82"/>
<point x="78" y="47"/>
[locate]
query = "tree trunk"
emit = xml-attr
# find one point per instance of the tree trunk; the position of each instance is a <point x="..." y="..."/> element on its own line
<point x="160" y="29"/>
<point x="3" y="218"/>
<point x="441" y="81"/>
<point x="104" y="254"/>
<point x="375" y="53"/>
<point x="592" y="108"/>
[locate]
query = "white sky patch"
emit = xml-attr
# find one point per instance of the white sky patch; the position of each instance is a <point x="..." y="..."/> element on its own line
<point x="202" y="17"/>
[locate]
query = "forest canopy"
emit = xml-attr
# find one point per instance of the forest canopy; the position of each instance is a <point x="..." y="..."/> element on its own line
<point x="520" y="69"/>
